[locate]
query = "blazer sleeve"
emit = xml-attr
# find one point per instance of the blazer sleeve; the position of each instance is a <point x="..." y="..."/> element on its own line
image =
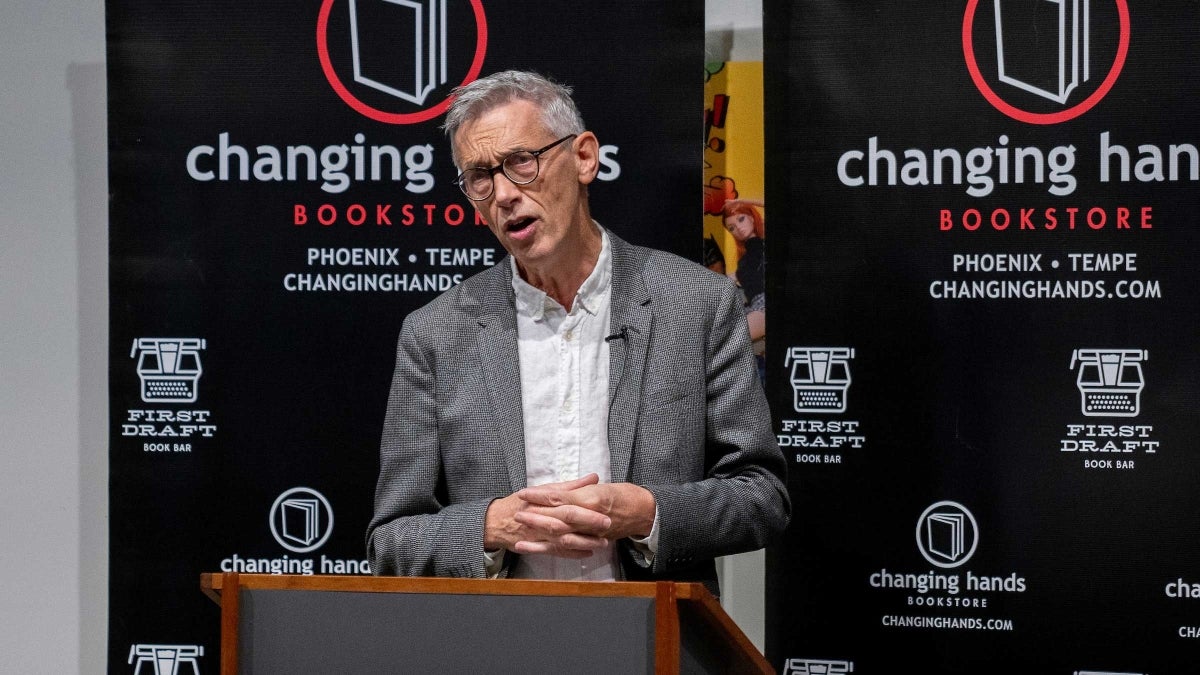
<point x="415" y="531"/>
<point x="742" y="501"/>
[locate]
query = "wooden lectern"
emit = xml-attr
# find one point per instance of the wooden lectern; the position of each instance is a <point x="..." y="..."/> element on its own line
<point x="347" y="624"/>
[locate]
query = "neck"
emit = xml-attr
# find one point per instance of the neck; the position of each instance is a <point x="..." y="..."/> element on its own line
<point x="561" y="279"/>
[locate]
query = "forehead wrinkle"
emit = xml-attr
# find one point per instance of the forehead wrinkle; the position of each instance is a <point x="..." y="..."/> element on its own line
<point x="483" y="149"/>
<point x="493" y="135"/>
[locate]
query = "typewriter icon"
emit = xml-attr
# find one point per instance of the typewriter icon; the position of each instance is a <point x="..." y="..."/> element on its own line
<point x="165" y="659"/>
<point x="1110" y="381"/>
<point x="169" y="368"/>
<point x="817" y="667"/>
<point x="820" y="378"/>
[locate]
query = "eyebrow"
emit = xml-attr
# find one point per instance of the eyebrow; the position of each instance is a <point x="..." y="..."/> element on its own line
<point x="505" y="153"/>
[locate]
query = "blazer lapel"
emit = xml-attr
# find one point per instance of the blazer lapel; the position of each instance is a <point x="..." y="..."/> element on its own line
<point x="502" y="373"/>
<point x="632" y="317"/>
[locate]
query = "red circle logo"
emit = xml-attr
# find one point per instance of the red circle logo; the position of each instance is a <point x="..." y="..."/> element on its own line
<point x="1071" y="56"/>
<point x="428" y="56"/>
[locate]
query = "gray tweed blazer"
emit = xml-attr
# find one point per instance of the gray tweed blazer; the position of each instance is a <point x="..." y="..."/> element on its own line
<point x="687" y="420"/>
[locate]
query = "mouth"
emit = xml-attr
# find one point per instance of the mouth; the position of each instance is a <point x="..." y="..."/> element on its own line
<point x="518" y="225"/>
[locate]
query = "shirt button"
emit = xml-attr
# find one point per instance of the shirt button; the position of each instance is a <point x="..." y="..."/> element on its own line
<point x="568" y="335"/>
<point x="567" y="407"/>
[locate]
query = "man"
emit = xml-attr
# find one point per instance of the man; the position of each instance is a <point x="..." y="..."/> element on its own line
<point x="585" y="409"/>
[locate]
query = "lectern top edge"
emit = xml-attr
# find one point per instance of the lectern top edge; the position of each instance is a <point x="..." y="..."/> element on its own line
<point x="212" y="583"/>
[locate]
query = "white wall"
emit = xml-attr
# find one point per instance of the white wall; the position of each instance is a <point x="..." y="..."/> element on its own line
<point x="733" y="30"/>
<point x="53" y="355"/>
<point x="54" y="300"/>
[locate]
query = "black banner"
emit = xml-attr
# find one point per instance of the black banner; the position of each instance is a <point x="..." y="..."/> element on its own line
<point x="987" y="377"/>
<point x="280" y="199"/>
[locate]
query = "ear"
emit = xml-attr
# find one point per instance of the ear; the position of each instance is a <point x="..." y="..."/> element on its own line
<point x="587" y="156"/>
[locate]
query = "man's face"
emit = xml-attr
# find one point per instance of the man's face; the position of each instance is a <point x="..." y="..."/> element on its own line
<point x="537" y="223"/>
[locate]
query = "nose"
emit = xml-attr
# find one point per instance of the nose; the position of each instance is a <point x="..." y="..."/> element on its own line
<point x="504" y="191"/>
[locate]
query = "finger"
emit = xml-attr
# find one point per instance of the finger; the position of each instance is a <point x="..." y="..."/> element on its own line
<point x="598" y="498"/>
<point x="589" y="479"/>
<point x="544" y="548"/>
<point x="542" y="525"/>
<point x="542" y="496"/>
<point x="563" y="519"/>
<point x="545" y="496"/>
<point x="568" y="546"/>
<point x="580" y="518"/>
<point x="580" y="542"/>
<point x="556" y="488"/>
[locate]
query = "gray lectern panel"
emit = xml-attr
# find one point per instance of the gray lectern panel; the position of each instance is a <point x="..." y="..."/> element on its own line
<point x="340" y="632"/>
<point x="702" y="650"/>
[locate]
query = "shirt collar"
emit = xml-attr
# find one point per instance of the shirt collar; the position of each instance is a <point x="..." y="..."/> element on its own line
<point x="532" y="301"/>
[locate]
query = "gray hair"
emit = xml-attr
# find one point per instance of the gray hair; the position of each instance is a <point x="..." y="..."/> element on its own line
<point x="559" y="114"/>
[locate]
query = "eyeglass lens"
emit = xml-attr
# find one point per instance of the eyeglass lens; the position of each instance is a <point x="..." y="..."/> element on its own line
<point x="521" y="167"/>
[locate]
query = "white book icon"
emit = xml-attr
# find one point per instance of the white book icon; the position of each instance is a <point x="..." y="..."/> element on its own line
<point x="1024" y="63"/>
<point x="944" y="535"/>
<point x="399" y="46"/>
<point x="300" y="520"/>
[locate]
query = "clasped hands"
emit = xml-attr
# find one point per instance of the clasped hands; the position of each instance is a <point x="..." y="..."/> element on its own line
<point x="572" y="519"/>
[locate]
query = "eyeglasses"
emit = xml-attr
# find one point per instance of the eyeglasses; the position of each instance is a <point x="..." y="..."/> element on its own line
<point x="520" y="167"/>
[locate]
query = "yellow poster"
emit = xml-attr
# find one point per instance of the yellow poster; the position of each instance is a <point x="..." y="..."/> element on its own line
<point x="734" y="229"/>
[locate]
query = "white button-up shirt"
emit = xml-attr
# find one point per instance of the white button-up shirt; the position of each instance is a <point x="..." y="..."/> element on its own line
<point x="564" y="399"/>
<point x="564" y="359"/>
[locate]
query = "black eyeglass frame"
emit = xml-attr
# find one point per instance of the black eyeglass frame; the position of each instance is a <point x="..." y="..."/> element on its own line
<point x="492" y="171"/>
